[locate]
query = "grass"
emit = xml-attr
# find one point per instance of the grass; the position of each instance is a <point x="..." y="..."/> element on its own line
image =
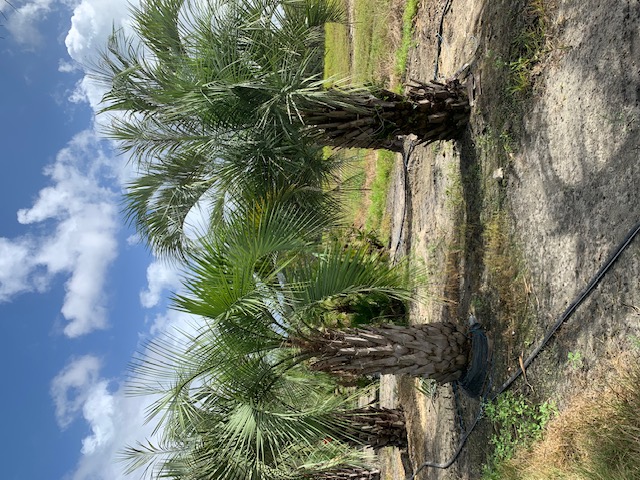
<point x="375" y="219"/>
<point x="337" y="52"/>
<point x="371" y="40"/>
<point x="514" y="64"/>
<point x="529" y="47"/>
<point x="597" y="437"/>
<point x="408" y="19"/>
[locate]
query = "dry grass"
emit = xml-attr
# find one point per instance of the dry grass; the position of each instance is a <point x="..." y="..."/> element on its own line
<point x="506" y="277"/>
<point x="596" y="438"/>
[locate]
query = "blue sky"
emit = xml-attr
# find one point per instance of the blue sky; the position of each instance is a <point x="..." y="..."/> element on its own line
<point x="77" y="295"/>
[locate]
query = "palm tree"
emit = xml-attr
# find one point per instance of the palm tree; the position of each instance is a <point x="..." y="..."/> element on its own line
<point x="250" y="419"/>
<point x="197" y="75"/>
<point x="260" y="295"/>
<point x="349" y="474"/>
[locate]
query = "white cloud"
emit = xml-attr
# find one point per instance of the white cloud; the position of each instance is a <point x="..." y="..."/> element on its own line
<point x="70" y="388"/>
<point x="91" y="24"/>
<point x="82" y="242"/>
<point x="115" y="419"/>
<point x="160" y="277"/>
<point x="14" y="267"/>
<point x="174" y="321"/>
<point x="65" y="66"/>
<point x="23" y="22"/>
<point x="99" y="412"/>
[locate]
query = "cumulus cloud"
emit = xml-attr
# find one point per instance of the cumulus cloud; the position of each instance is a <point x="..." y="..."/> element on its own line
<point x="115" y="419"/>
<point x="91" y="24"/>
<point x="14" y="267"/>
<point x="99" y="412"/>
<point x="78" y="214"/>
<point x="160" y="277"/>
<point x="70" y="388"/>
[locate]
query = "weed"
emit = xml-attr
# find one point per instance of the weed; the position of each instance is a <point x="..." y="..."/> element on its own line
<point x="508" y="292"/>
<point x="575" y="360"/>
<point x="596" y="438"/>
<point x="517" y="423"/>
<point x="530" y="47"/>
<point x="453" y="190"/>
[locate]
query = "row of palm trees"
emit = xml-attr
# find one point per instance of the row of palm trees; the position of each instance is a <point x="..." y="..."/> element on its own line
<point x="255" y="374"/>
<point x="222" y="105"/>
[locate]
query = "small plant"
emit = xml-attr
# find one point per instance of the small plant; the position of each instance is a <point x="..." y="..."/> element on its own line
<point x="517" y="423"/>
<point x="575" y="360"/>
<point x="427" y="387"/>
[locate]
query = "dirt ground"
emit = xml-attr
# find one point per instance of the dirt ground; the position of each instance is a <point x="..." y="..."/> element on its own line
<point x="513" y="219"/>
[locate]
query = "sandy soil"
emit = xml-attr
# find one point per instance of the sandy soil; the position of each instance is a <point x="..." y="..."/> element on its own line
<point x="564" y="170"/>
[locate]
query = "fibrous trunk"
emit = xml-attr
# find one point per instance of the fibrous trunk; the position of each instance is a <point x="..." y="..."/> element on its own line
<point x="374" y="427"/>
<point x="435" y="350"/>
<point x="432" y="111"/>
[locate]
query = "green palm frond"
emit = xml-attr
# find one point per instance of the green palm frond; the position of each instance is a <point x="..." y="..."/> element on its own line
<point x="252" y="414"/>
<point x="159" y="200"/>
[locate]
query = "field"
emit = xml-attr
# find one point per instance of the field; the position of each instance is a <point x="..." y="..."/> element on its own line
<point x="512" y="221"/>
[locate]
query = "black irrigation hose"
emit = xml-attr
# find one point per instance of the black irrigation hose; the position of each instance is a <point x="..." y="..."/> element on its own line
<point x="406" y="156"/>
<point x="447" y="6"/>
<point x="563" y="318"/>
<point x="576" y="303"/>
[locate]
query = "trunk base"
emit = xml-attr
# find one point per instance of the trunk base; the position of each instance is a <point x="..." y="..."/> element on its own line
<point x="475" y="378"/>
<point x="435" y="350"/>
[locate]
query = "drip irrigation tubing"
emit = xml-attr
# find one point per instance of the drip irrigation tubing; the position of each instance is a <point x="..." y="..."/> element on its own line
<point x="447" y="6"/>
<point x="406" y="157"/>
<point x="569" y="311"/>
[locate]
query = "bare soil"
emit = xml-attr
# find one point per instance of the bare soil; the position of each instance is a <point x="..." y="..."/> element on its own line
<point x="514" y="218"/>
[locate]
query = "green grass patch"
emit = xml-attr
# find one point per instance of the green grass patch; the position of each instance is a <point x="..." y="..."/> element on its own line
<point x="337" y="51"/>
<point x="372" y="47"/>
<point x="529" y="47"/>
<point x="379" y="191"/>
<point x="408" y="20"/>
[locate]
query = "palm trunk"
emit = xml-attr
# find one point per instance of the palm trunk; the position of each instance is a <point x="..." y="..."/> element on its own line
<point x="432" y="111"/>
<point x="374" y="427"/>
<point x="435" y="350"/>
